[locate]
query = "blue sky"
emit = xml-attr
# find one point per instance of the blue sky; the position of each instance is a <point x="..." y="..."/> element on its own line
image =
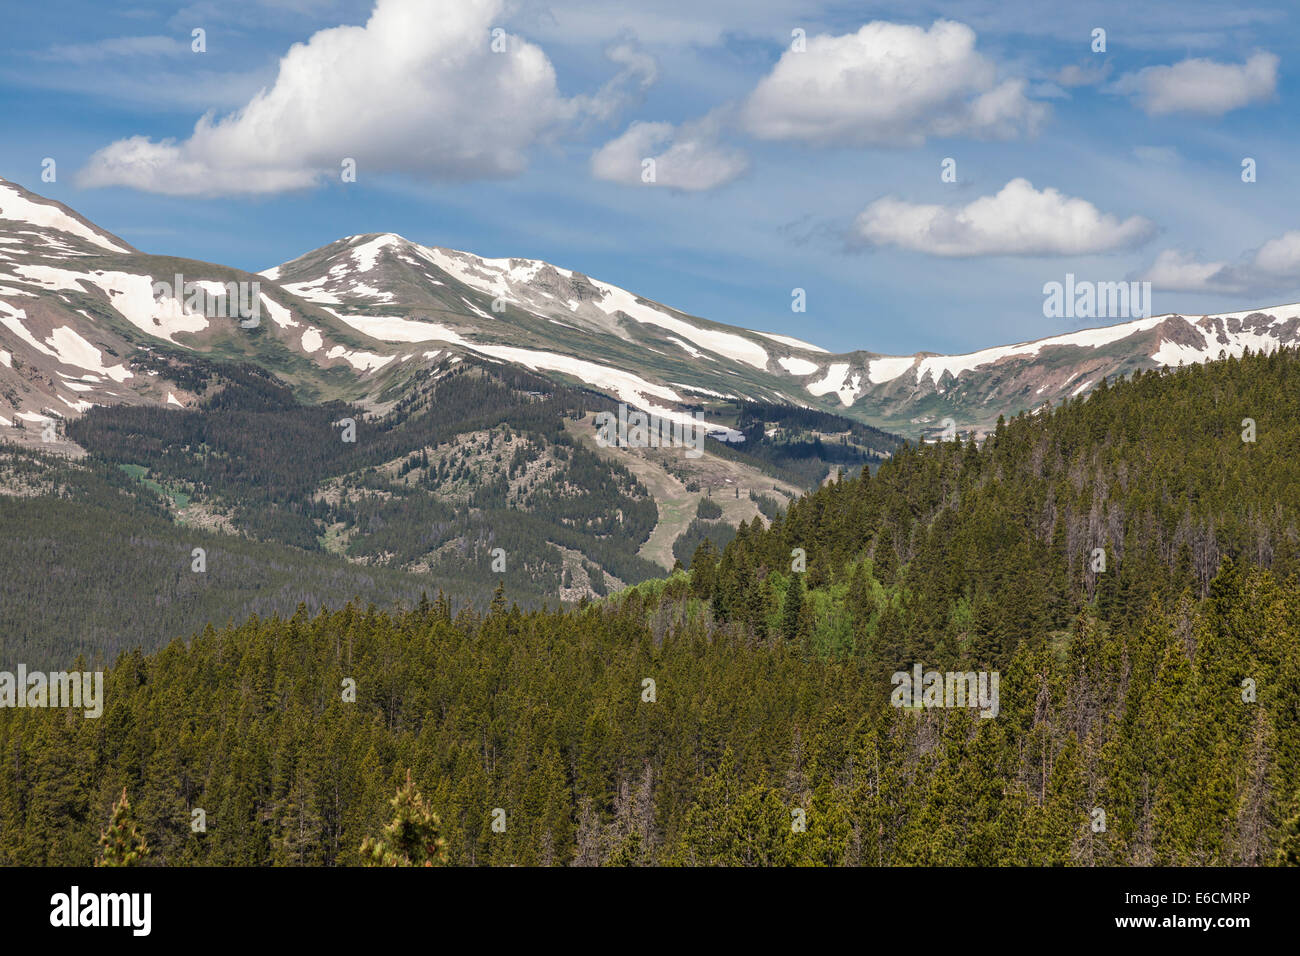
<point x="776" y="168"/>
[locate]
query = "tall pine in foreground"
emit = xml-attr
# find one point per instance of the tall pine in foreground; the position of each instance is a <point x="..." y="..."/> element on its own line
<point x="121" y="844"/>
<point x="413" y="838"/>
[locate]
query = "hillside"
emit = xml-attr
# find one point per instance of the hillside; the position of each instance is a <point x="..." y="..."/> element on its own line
<point x="958" y="553"/>
<point x="92" y="564"/>
<point x="1148" y="713"/>
<point x="479" y="475"/>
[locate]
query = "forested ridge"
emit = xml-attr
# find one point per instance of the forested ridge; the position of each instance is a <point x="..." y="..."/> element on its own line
<point x="957" y="553"/>
<point x="473" y="460"/>
<point x="544" y="718"/>
<point x="740" y="713"/>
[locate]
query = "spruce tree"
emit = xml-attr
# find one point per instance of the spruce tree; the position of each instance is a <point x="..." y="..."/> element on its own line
<point x="413" y="838"/>
<point x="793" y="612"/>
<point x="122" y="844"/>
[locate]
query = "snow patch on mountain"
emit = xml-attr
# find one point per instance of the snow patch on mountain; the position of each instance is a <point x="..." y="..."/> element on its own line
<point x="370" y="292"/>
<point x="21" y="209"/>
<point x="367" y="254"/>
<point x="475" y="309"/>
<point x="312" y="292"/>
<point x="628" y="387"/>
<point x="834" y="381"/>
<point x="363" y="361"/>
<point x="726" y="344"/>
<point x="279" y="314"/>
<point x="796" y="343"/>
<point x="1281" y="313"/>
<point x="1216" y="339"/>
<point x="797" y="366"/>
<point x="72" y="349"/>
<point x="704" y="391"/>
<point x="62" y="344"/>
<point x="882" y="370"/>
<point x="391" y="328"/>
<point x="935" y="366"/>
<point x="130" y="294"/>
<point x="485" y="275"/>
<point x="690" y="350"/>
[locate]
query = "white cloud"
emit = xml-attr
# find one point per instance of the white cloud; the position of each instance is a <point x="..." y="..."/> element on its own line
<point x="889" y="84"/>
<point x="1177" y="271"/>
<point x="418" y="90"/>
<point x="688" y="157"/>
<point x="1018" y="221"/>
<point x="639" y="71"/>
<point x="1274" y="265"/>
<point x="1281" y="256"/>
<point x="1200" y="86"/>
<point x="1083" y="74"/>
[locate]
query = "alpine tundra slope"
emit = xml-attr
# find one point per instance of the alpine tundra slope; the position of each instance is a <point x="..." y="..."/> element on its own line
<point x="366" y="317"/>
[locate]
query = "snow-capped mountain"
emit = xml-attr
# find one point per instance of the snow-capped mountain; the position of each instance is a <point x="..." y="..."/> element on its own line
<point x="83" y="321"/>
<point x="554" y="319"/>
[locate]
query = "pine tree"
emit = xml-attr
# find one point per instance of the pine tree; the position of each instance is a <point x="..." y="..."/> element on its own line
<point x="498" y="605"/>
<point x="413" y="838"/>
<point x="122" y="844"/>
<point x="792" y="614"/>
<point x="1288" y="850"/>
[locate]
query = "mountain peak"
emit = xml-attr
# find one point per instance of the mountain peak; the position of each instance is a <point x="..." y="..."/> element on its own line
<point x="363" y="301"/>
<point x="17" y="205"/>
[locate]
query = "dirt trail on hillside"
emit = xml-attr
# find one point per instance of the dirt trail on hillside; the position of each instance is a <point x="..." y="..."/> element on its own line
<point x="677" y="506"/>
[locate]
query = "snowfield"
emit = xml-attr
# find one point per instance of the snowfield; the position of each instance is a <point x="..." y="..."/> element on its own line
<point x="21" y="209"/>
<point x="629" y="388"/>
<point x="129" y="294"/>
<point x="797" y="366"/>
<point x="279" y="314"/>
<point x="722" y="343"/>
<point x="832" y="381"/>
<point x="367" y="254"/>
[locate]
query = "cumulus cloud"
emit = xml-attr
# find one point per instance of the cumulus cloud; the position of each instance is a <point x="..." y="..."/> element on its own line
<point x="1274" y="265"/>
<point x="1281" y="256"/>
<point x="1083" y="74"/>
<point x="687" y="157"/>
<point x="1017" y="221"/>
<point x="889" y="84"/>
<point x="418" y="90"/>
<point x="1200" y="86"/>
<point x="1177" y="271"/>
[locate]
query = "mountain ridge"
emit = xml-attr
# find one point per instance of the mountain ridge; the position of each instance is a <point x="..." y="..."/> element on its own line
<point x="366" y="316"/>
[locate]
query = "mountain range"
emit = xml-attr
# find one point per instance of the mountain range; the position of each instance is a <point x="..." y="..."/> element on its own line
<point x="366" y="318"/>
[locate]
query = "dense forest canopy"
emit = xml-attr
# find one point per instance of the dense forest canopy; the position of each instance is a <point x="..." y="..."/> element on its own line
<point x="740" y="713"/>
